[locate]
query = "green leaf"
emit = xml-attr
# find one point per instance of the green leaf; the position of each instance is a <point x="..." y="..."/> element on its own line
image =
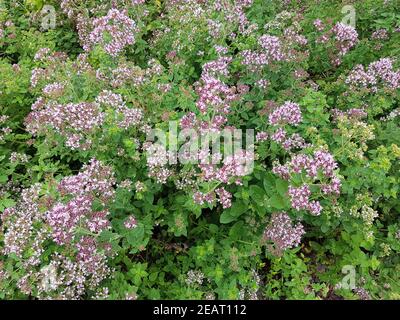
<point x="238" y="208"/>
<point x="277" y="202"/>
<point x="135" y="236"/>
<point x="231" y="214"/>
<point x="257" y="193"/>
<point x="268" y="182"/>
<point x="7" y="202"/>
<point x="226" y="217"/>
<point x="281" y="186"/>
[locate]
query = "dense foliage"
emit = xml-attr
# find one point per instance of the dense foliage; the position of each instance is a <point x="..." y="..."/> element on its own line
<point x="92" y="208"/>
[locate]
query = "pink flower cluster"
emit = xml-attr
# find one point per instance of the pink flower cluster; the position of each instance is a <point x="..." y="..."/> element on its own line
<point x="235" y="13"/>
<point x="295" y="141"/>
<point x="75" y="122"/>
<point x="321" y="161"/>
<point x="271" y="51"/>
<point x="48" y="57"/>
<point x="38" y="74"/>
<point x="262" y="136"/>
<point x="157" y="160"/>
<point x="138" y="2"/>
<point x="379" y="74"/>
<point x="71" y="279"/>
<point x="78" y="122"/>
<point x="65" y="218"/>
<point x="288" y="47"/>
<point x="16" y="157"/>
<point x="282" y="232"/>
<point x="27" y="227"/>
<point x="125" y="74"/>
<point x="381" y="34"/>
<point x="125" y="117"/>
<point x="299" y="198"/>
<point x="291" y="39"/>
<point x="214" y="100"/>
<point x="214" y="95"/>
<point x="217" y="67"/>
<point x="319" y="25"/>
<point x="95" y="179"/>
<point x="109" y="98"/>
<point x="271" y="46"/>
<point x="54" y="90"/>
<point x="346" y="37"/>
<point x="353" y="113"/>
<point x="288" y="113"/>
<point x="233" y="166"/>
<point x="42" y="53"/>
<point x="17" y="226"/>
<point x="130" y="222"/>
<point x="224" y="197"/>
<point x="115" y="25"/>
<point x="129" y="74"/>
<point x="392" y="115"/>
<point x="317" y="168"/>
<point x="4" y="131"/>
<point x="343" y="36"/>
<point x="220" y="195"/>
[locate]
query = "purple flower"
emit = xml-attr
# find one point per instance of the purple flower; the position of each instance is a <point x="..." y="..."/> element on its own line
<point x="214" y="94"/>
<point x="299" y="197"/>
<point x="288" y="113"/>
<point x="333" y="187"/>
<point x="42" y="53"/>
<point x="322" y="161"/>
<point x="64" y="218"/>
<point x="115" y="25"/>
<point x="279" y="135"/>
<point x="346" y="36"/>
<point x="225" y="198"/>
<point x="95" y="179"/>
<point x="380" y="34"/>
<point x="282" y="171"/>
<point x="272" y="47"/>
<point x="261" y="136"/>
<point x="318" y="24"/>
<point x="217" y="67"/>
<point x="300" y="162"/>
<point x="53" y="90"/>
<point x="383" y="70"/>
<point x="315" y="208"/>
<point x="73" y="121"/>
<point x="130" y="222"/>
<point x="282" y="232"/>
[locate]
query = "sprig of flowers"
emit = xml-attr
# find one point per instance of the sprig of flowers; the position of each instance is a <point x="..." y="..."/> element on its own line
<point x="283" y="233"/>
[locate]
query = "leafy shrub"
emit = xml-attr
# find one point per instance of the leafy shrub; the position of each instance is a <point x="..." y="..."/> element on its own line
<point x="94" y="207"/>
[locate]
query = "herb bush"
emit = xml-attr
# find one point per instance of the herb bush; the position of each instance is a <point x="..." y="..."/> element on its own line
<point x="92" y="208"/>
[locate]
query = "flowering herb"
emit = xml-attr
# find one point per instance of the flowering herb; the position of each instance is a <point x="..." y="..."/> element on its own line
<point x="192" y="149"/>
